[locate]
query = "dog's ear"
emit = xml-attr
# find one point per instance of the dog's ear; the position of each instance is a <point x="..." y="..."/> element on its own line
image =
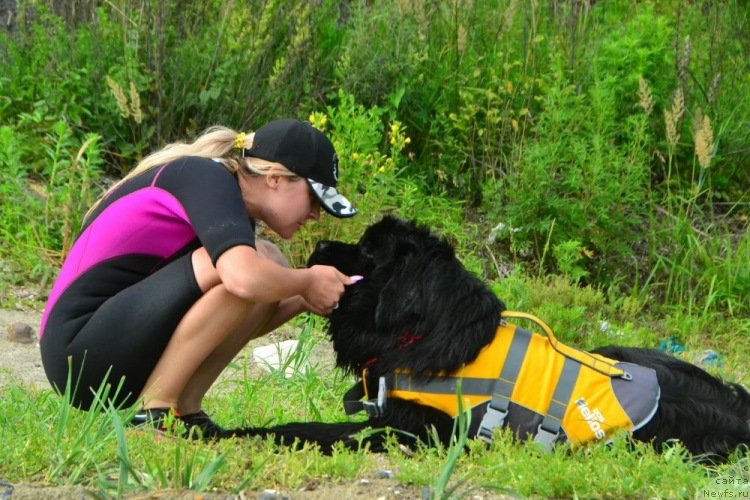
<point x="398" y="257"/>
<point x="406" y="257"/>
<point x="401" y="300"/>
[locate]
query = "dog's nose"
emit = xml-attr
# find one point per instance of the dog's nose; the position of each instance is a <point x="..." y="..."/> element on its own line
<point x="322" y="245"/>
<point x="318" y="255"/>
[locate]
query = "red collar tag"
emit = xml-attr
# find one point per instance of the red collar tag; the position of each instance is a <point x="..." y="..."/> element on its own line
<point x="408" y="339"/>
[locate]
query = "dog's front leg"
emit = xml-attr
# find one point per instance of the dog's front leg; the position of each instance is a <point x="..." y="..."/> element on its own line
<point x="325" y="435"/>
<point x="413" y="422"/>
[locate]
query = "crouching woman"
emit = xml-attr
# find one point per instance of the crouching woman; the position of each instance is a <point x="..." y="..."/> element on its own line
<point x="167" y="282"/>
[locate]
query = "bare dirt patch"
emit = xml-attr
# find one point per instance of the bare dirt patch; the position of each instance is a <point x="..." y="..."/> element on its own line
<point x="20" y="363"/>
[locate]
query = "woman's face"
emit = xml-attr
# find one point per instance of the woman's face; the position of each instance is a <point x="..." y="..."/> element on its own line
<point x="284" y="203"/>
<point x="293" y="205"/>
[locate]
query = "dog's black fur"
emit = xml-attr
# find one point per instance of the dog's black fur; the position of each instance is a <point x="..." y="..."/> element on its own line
<point x="414" y="283"/>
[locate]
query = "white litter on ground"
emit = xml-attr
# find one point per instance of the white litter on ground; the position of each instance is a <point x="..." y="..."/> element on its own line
<point x="280" y="355"/>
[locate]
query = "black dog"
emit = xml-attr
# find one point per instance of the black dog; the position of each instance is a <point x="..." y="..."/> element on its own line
<point x="418" y="309"/>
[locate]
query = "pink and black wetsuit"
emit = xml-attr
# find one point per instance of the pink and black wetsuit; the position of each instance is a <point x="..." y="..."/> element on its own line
<point x="128" y="280"/>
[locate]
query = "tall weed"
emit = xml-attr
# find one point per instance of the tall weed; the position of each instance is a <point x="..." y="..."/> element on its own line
<point x="570" y="183"/>
<point x="706" y="272"/>
<point x="42" y="211"/>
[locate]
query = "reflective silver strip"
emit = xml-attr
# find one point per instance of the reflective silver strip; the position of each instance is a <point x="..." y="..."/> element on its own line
<point x="497" y="410"/>
<point x="509" y="375"/>
<point x="470" y="386"/>
<point x="549" y="429"/>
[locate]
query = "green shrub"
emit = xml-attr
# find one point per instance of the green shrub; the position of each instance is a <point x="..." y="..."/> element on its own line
<point x="42" y="211"/>
<point x="573" y="182"/>
<point x="639" y="47"/>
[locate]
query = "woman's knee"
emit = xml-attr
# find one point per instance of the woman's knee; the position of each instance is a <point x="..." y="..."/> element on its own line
<point x="270" y="251"/>
<point x="204" y="271"/>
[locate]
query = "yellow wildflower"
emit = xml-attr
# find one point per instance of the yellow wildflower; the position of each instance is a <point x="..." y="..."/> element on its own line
<point x="318" y="120"/>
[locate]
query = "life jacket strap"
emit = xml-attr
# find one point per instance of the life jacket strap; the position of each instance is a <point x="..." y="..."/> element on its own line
<point x="582" y="357"/>
<point x="497" y="410"/>
<point x="357" y="399"/>
<point x="549" y="430"/>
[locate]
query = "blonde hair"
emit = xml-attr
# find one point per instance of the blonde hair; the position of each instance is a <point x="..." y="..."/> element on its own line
<point x="218" y="143"/>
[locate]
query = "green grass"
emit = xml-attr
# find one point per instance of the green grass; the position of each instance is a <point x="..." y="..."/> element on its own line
<point x="45" y="441"/>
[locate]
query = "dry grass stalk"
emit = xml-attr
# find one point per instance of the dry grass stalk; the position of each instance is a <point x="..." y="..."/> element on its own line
<point x="704" y="142"/>
<point x="682" y="64"/>
<point x="678" y="105"/>
<point x="713" y="88"/>
<point x="645" y="100"/>
<point x="119" y="95"/>
<point x="671" y="125"/>
<point x="414" y="7"/>
<point x="509" y="15"/>
<point x="697" y="119"/>
<point x="461" y="39"/>
<point x="135" y="104"/>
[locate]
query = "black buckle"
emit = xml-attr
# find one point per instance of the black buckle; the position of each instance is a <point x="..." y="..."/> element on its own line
<point x="374" y="407"/>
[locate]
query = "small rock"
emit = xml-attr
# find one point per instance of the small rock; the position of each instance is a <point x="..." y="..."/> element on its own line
<point x="310" y="486"/>
<point x="406" y="450"/>
<point x="21" y="333"/>
<point x="6" y="490"/>
<point x="272" y="495"/>
<point x="385" y="474"/>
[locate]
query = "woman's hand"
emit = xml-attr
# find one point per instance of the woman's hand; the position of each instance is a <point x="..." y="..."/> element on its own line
<point x="325" y="288"/>
<point x="258" y="279"/>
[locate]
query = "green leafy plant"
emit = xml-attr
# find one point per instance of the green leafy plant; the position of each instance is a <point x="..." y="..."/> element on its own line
<point x="571" y="184"/>
<point x="457" y="447"/>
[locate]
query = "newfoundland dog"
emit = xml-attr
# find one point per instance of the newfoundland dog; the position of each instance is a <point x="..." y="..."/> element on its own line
<point x="419" y="327"/>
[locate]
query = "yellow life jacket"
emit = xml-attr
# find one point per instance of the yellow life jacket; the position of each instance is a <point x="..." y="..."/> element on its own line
<point x="538" y="386"/>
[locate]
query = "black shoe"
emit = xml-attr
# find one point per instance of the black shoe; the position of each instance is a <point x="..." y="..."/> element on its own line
<point x="198" y="425"/>
<point x="151" y="417"/>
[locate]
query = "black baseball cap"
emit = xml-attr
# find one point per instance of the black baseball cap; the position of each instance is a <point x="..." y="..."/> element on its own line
<point x="307" y="152"/>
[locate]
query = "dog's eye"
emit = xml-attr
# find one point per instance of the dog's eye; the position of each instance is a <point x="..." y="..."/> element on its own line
<point x="366" y="257"/>
<point x="365" y="249"/>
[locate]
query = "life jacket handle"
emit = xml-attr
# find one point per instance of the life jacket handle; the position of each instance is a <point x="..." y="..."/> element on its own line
<point x="602" y="365"/>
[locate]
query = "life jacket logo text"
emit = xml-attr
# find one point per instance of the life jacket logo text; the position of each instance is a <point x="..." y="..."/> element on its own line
<point x="593" y="418"/>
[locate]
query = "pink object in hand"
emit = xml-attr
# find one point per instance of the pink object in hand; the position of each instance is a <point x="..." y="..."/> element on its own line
<point x="355" y="278"/>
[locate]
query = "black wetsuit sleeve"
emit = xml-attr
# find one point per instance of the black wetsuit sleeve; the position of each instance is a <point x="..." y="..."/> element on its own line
<point x="211" y="197"/>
